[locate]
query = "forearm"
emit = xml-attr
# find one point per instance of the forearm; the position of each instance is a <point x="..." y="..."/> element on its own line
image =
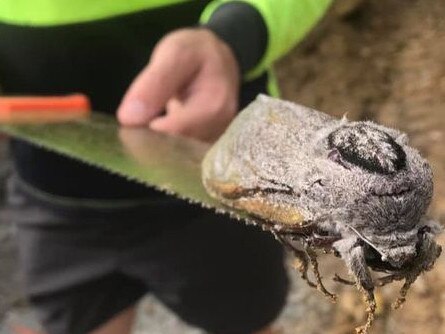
<point x="283" y="24"/>
<point x="243" y="28"/>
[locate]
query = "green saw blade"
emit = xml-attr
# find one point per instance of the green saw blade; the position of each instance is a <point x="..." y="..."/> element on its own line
<point x="170" y="164"/>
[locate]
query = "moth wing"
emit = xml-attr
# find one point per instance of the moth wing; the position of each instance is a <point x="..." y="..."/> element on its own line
<point x="267" y="138"/>
<point x="246" y="155"/>
<point x="256" y="205"/>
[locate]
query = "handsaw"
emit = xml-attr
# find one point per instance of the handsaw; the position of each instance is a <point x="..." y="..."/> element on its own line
<point x="66" y="126"/>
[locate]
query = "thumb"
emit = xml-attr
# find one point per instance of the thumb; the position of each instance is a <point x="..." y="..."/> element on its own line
<point x="167" y="72"/>
<point x="168" y="122"/>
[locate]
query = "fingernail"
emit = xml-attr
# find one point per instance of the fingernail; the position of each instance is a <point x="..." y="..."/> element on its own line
<point x="135" y="112"/>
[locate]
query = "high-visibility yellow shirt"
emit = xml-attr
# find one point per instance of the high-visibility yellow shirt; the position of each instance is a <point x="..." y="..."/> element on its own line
<point x="287" y="21"/>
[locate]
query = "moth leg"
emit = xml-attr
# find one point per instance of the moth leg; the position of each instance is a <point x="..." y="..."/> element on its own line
<point x="301" y="259"/>
<point x="403" y="291"/>
<point x="314" y="263"/>
<point x="339" y="279"/>
<point x="302" y="265"/>
<point x="382" y="281"/>
<point x="429" y="253"/>
<point x="371" y="308"/>
<point x="351" y="251"/>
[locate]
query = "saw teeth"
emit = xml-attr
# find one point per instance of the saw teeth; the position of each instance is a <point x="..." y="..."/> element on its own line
<point x="105" y="127"/>
<point x="277" y="227"/>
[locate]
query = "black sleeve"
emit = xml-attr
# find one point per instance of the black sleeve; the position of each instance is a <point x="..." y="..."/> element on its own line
<point x="242" y="27"/>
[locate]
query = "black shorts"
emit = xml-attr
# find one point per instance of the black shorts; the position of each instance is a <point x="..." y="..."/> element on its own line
<point x="85" y="261"/>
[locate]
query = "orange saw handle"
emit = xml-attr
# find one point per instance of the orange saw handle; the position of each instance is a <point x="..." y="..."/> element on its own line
<point x="74" y="103"/>
<point x="43" y="109"/>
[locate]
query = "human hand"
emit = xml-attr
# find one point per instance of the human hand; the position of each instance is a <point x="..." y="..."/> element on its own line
<point x="194" y="77"/>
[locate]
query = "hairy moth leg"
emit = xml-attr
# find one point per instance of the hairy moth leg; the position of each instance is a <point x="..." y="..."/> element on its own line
<point x="301" y="259"/>
<point x="402" y="294"/>
<point x="314" y="263"/>
<point x="339" y="279"/>
<point x="301" y="263"/>
<point x="382" y="281"/>
<point x="370" y="309"/>
<point x="429" y="253"/>
<point x="351" y="251"/>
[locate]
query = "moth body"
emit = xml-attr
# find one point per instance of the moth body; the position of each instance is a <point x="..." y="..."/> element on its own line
<point x="355" y="188"/>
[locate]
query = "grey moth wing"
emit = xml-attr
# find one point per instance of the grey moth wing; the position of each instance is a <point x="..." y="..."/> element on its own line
<point x="249" y="168"/>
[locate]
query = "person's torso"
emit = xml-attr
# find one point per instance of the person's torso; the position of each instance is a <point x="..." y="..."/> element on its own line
<point x="58" y="12"/>
<point x="99" y="58"/>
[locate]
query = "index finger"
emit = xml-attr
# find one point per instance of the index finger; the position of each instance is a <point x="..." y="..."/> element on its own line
<point x="169" y="70"/>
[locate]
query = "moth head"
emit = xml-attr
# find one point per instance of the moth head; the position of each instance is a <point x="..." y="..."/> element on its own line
<point x="417" y="254"/>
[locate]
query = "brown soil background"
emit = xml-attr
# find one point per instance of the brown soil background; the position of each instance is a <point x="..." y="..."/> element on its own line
<point x="384" y="61"/>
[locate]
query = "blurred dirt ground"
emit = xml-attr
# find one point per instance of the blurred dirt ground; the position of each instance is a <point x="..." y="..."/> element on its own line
<point x="383" y="61"/>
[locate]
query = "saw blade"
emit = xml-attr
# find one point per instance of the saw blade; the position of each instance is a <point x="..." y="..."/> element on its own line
<point x="167" y="163"/>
